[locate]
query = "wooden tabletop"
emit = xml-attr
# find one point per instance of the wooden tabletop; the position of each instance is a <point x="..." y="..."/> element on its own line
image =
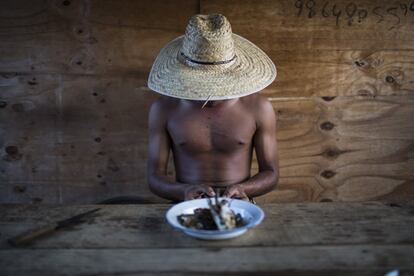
<point x="368" y="238"/>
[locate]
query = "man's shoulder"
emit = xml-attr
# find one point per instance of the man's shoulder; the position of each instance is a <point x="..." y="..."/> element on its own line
<point x="257" y="103"/>
<point x="161" y="110"/>
<point x="260" y="108"/>
<point x="163" y="105"/>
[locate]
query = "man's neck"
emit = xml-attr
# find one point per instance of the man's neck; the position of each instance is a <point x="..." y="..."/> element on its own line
<point x="210" y="104"/>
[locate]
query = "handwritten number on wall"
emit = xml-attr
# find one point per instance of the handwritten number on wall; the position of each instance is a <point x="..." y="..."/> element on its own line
<point x="350" y="10"/>
<point x="351" y="13"/>
<point x="404" y="8"/>
<point x="310" y="5"/>
<point x="299" y="5"/>
<point x="362" y="14"/>
<point x="391" y="12"/>
<point x="336" y="13"/>
<point x="376" y="11"/>
<point x="325" y="13"/>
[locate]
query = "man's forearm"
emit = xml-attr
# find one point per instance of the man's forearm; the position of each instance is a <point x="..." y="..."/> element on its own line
<point x="261" y="183"/>
<point x="161" y="186"/>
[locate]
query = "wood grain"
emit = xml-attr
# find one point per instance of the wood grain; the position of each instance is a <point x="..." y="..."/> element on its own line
<point x="346" y="148"/>
<point x="74" y="102"/>
<point x="278" y="24"/>
<point x="88" y="37"/>
<point x="288" y="224"/>
<point x="341" y="73"/>
<point x="73" y="138"/>
<point x="362" y="260"/>
<point x="77" y="138"/>
<point x="317" y="57"/>
<point x="103" y="44"/>
<point x="367" y="238"/>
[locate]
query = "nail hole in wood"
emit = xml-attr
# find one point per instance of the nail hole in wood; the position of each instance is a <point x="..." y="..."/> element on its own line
<point x="98" y="139"/>
<point x="328" y="98"/>
<point x="325" y="200"/>
<point x="389" y="79"/>
<point x="331" y="153"/>
<point x="37" y="200"/>
<point x="359" y="63"/>
<point x="12" y="150"/>
<point x="66" y="3"/>
<point x="327" y="126"/>
<point x="19" y="189"/>
<point x="327" y="174"/>
<point x="3" y="104"/>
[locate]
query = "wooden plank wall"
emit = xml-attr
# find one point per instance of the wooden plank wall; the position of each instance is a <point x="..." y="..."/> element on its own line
<point x="74" y="102"/>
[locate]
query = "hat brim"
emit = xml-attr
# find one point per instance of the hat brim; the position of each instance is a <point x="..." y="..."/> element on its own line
<point x="251" y="71"/>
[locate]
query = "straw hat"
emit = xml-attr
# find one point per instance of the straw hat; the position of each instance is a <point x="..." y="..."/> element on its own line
<point x="210" y="63"/>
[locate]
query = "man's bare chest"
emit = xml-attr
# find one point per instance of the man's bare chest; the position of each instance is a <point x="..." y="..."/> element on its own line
<point x="211" y="132"/>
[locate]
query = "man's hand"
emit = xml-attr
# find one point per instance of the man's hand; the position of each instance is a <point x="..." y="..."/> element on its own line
<point x="198" y="191"/>
<point x="235" y="191"/>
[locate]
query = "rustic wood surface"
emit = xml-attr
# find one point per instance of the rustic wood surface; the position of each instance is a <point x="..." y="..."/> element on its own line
<point x="74" y="101"/>
<point x="368" y="50"/>
<point x="367" y="238"/>
<point x="344" y="148"/>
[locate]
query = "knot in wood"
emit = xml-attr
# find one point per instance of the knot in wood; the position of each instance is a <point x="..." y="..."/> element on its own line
<point x="360" y="63"/>
<point x="32" y="82"/>
<point x="365" y="93"/>
<point x="326" y="200"/>
<point x="12" y="150"/>
<point x="327" y="174"/>
<point x="13" y="154"/>
<point x="327" y="125"/>
<point x="331" y="153"/>
<point x="390" y="79"/>
<point x="328" y="98"/>
<point x="19" y="189"/>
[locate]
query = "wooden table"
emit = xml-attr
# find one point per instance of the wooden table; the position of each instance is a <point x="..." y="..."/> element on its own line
<point x="368" y="238"/>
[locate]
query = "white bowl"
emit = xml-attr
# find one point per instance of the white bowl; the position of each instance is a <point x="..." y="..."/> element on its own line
<point x="252" y="215"/>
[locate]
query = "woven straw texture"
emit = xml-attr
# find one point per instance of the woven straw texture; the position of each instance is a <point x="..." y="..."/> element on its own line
<point x="180" y="70"/>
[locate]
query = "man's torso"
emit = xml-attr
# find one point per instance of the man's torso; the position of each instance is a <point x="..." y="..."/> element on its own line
<point x="212" y="145"/>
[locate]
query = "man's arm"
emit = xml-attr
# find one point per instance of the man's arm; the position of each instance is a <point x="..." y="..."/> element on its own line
<point x="264" y="142"/>
<point x="158" y="154"/>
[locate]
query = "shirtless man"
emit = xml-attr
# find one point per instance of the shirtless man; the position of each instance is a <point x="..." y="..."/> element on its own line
<point x="212" y="144"/>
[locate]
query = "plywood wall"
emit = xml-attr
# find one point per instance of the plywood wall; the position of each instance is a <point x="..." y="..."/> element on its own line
<point x="74" y="102"/>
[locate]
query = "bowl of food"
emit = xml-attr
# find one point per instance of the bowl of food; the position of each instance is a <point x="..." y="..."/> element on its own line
<point x="214" y="218"/>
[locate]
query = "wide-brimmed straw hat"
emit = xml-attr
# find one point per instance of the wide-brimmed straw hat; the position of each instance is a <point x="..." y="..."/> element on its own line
<point x="210" y="63"/>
